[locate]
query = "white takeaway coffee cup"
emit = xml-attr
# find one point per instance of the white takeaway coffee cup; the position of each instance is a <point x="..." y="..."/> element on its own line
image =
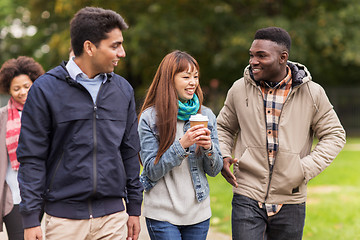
<point x="198" y="119"/>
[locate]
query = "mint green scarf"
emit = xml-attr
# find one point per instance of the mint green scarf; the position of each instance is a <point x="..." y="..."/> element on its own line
<point x="188" y="108"/>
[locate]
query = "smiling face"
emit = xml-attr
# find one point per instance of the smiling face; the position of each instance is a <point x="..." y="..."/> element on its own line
<point x="267" y="61"/>
<point x="186" y="83"/>
<point x="19" y="88"/>
<point x="108" y="53"/>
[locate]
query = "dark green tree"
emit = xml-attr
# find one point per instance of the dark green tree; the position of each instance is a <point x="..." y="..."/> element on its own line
<point x="217" y="33"/>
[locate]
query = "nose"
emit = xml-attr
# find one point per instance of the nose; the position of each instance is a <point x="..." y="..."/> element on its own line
<point x="253" y="61"/>
<point x="23" y="91"/>
<point x="121" y="52"/>
<point x="193" y="81"/>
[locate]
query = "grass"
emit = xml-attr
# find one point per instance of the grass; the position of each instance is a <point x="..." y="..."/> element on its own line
<point x="333" y="209"/>
<point x="220" y="197"/>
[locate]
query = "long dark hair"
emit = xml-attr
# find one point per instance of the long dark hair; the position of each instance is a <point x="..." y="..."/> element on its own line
<point x="163" y="96"/>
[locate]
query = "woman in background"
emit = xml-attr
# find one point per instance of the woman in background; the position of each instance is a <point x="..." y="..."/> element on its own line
<point x="175" y="156"/>
<point x="16" y="78"/>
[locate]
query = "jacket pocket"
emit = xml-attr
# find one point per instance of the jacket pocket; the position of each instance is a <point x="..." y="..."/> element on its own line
<point x="288" y="174"/>
<point x="252" y="170"/>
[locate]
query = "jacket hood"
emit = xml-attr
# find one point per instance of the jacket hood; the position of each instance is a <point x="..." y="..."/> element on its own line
<point x="300" y="73"/>
<point x="60" y="72"/>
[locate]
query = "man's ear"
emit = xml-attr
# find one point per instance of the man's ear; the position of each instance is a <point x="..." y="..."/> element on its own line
<point x="284" y="56"/>
<point x="89" y="48"/>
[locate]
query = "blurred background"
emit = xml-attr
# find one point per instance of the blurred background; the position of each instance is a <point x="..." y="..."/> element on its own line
<point x="218" y="33"/>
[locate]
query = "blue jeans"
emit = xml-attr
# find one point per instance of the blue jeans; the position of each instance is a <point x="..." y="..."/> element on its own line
<point x="161" y="230"/>
<point x="250" y="222"/>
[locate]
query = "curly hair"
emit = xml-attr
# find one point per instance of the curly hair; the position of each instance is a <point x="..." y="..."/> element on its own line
<point x="15" y="67"/>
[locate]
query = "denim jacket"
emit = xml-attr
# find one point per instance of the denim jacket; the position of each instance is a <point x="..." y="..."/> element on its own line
<point x="208" y="161"/>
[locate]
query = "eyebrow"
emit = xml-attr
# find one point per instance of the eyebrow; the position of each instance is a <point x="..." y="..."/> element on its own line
<point x="261" y="51"/>
<point x="189" y="73"/>
<point x="117" y="42"/>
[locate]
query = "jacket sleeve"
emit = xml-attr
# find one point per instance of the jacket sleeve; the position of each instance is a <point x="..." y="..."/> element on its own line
<point x="129" y="149"/>
<point x="213" y="162"/>
<point x="227" y="124"/>
<point x="149" y="147"/>
<point x="328" y="129"/>
<point x="32" y="151"/>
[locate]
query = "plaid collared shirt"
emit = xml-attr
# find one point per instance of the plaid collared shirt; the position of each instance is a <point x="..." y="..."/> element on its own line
<point x="274" y="95"/>
<point x="274" y="99"/>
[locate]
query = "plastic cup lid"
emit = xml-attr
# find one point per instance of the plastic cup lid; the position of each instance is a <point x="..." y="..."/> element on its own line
<point x="199" y="118"/>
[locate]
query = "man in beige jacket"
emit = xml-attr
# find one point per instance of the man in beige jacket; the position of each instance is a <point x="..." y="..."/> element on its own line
<point x="268" y="122"/>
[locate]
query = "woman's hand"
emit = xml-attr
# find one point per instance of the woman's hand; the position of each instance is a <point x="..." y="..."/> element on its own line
<point x="197" y="134"/>
<point x="205" y="140"/>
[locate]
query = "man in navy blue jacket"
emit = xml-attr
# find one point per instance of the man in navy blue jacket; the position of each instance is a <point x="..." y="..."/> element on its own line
<point x="79" y="145"/>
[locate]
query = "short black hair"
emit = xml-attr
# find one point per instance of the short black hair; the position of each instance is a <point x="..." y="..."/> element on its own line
<point x="93" y="24"/>
<point x="274" y="34"/>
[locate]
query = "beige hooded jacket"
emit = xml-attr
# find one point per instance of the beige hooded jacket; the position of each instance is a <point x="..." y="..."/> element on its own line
<point x="306" y="113"/>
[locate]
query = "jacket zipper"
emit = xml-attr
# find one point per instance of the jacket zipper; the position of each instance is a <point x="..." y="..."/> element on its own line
<point x="95" y="116"/>
<point x="90" y="208"/>
<point x="271" y="171"/>
<point x="95" y="149"/>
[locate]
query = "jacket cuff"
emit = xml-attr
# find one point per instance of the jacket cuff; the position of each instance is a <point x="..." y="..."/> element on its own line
<point x="133" y="207"/>
<point x="31" y="219"/>
<point x="180" y="152"/>
<point x="209" y="153"/>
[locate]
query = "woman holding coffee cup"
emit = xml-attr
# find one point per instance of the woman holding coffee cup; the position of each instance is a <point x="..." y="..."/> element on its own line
<point x="175" y="156"/>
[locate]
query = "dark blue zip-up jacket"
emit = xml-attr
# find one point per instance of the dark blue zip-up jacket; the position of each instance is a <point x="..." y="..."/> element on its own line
<point x="78" y="158"/>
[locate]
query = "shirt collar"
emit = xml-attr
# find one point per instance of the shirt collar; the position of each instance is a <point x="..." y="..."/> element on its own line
<point x="75" y="72"/>
<point x="278" y="84"/>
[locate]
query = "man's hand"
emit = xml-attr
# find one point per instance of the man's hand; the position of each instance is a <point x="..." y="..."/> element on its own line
<point x="34" y="233"/>
<point x="226" y="172"/>
<point x="133" y="225"/>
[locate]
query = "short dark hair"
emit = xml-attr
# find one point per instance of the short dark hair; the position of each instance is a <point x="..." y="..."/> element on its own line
<point x="15" y="67"/>
<point x="274" y="34"/>
<point x="93" y="24"/>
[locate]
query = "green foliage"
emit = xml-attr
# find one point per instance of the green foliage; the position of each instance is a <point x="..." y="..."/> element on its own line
<point x="6" y="8"/>
<point x="217" y="33"/>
